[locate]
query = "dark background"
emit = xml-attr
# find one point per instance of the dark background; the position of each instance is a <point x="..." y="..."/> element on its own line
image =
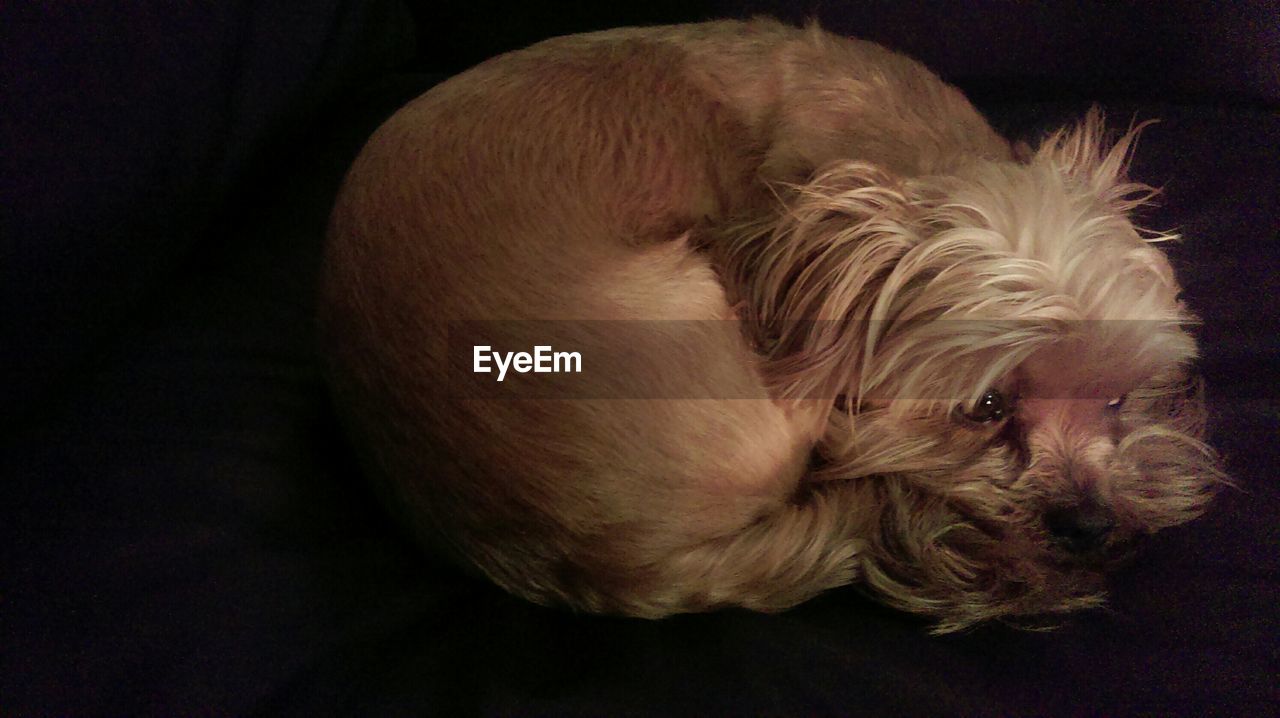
<point x="182" y="530"/>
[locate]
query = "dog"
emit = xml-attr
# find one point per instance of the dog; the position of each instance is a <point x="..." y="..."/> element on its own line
<point x="839" y="331"/>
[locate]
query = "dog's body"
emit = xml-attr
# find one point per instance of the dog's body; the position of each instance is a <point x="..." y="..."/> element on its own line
<point x="812" y="212"/>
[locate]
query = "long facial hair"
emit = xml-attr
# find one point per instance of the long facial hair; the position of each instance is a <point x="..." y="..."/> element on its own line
<point x="900" y="300"/>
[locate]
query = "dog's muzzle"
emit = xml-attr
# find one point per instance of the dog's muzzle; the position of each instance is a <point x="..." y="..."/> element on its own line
<point x="1082" y="527"/>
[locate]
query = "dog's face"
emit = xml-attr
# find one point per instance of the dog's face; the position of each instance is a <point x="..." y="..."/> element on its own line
<point x="1011" y="366"/>
<point x="1019" y="501"/>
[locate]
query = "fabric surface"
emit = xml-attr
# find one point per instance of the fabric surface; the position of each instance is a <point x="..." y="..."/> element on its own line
<point x="126" y="129"/>
<point x="1193" y="50"/>
<point x="187" y="533"/>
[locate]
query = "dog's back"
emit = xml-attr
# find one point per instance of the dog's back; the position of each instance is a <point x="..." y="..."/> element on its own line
<point x="574" y="181"/>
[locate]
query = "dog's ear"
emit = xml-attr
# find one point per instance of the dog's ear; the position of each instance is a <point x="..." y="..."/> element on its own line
<point x="809" y="274"/>
<point x="1084" y="153"/>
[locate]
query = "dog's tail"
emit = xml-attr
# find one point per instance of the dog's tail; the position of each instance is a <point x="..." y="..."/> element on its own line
<point x="803" y="548"/>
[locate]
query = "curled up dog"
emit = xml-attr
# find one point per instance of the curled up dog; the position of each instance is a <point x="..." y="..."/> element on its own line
<point x="865" y="340"/>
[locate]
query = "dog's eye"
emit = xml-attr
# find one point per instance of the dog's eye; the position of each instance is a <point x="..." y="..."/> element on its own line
<point x="1116" y="403"/>
<point x="991" y="407"/>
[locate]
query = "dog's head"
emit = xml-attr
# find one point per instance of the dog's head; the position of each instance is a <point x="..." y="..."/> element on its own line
<point x="1009" y="364"/>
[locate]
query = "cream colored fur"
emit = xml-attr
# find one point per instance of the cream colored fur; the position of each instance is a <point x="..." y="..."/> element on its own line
<point x="827" y="227"/>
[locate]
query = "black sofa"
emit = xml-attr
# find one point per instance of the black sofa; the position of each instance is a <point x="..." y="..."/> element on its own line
<point x="182" y="530"/>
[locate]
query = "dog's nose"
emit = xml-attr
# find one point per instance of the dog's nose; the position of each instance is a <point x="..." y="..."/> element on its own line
<point x="1080" y="527"/>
